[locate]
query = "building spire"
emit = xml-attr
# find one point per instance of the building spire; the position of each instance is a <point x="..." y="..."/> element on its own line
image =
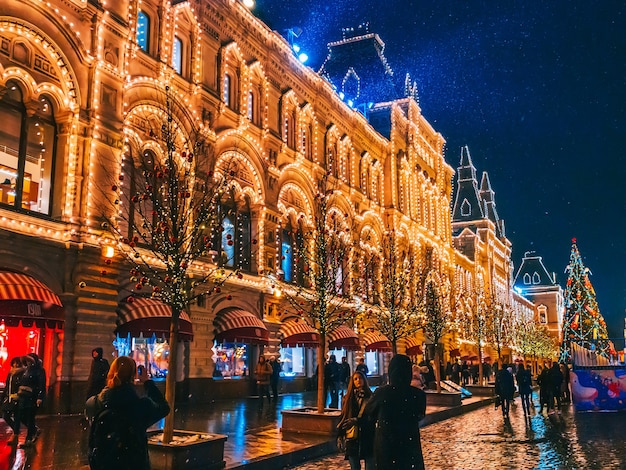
<point x="467" y="203"/>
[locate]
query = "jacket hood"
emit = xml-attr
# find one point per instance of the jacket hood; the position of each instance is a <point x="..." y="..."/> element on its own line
<point x="400" y="370"/>
<point x="99" y="352"/>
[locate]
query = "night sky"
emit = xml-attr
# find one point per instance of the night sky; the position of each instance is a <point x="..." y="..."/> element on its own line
<point x="537" y="90"/>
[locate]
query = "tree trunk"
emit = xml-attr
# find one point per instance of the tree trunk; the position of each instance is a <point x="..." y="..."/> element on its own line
<point x="170" y="381"/>
<point x="394" y="347"/>
<point x="437" y="369"/>
<point x="321" y="353"/>
<point x="480" y="366"/>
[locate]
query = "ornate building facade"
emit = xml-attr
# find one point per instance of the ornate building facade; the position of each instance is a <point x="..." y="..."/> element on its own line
<point x="81" y="85"/>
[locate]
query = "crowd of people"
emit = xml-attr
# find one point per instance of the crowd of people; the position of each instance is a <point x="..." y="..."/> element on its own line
<point x="23" y="396"/>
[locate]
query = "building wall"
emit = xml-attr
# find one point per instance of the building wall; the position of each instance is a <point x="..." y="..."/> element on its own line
<point x="84" y="58"/>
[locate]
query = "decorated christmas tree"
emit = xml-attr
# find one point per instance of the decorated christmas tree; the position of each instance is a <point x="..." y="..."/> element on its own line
<point x="583" y="324"/>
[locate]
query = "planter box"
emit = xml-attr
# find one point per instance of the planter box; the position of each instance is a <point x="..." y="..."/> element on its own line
<point x="205" y="453"/>
<point x="309" y="421"/>
<point x="482" y="391"/>
<point x="443" y="398"/>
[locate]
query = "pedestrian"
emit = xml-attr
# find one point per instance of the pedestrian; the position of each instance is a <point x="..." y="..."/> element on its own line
<point x="275" y="377"/>
<point x="505" y="388"/>
<point x="456" y="373"/>
<point x="358" y="432"/>
<point x="362" y="366"/>
<point x="31" y="394"/>
<point x="554" y="393"/>
<point x="396" y="410"/>
<point x="524" y="385"/>
<point x="97" y="374"/>
<point x="263" y="372"/>
<point x="345" y="374"/>
<point x="543" y="380"/>
<point x="10" y="397"/>
<point x="142" y="412"/>
<point x="565" y="393"/>
<point x="332" y="379"/>
<point x="417" y="379"/>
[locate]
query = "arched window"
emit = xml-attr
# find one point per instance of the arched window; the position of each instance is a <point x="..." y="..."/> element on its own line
<point x="177" y="55"/>
<point x="526" y="279"/>
<point x="290" y="129"/>
<point x="543" y="314"/>
<point x="234" y="239"/>
<point x="143" y="30"/>
<point x="536" y="278"/>
<point x="226" y="92"/>
<point x="27" y="144"/>
<point x="286" y="251"/>
<point x="466" y="208"/>
<point x="251" y="105"/>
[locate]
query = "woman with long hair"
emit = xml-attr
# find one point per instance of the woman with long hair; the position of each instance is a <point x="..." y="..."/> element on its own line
<point x="138" y="412"/>
<point x="358" y="432"/>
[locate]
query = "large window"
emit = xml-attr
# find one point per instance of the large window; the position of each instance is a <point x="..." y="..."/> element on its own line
<point x="177" y="55"/>
<point x="143" y="31"/>
<point x="27" y="143"/>
<point x="234" y="239"/>
<point x="286" y="262"/>
<point x="153" y="353"/>
<point x="231" y="360"/>
<point x="371" y="359"/>
<point x="292" y="361"/>
<point x="226" y="92"/>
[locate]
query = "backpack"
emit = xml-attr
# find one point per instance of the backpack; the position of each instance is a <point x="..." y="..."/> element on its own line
<point x="114" y="442"/>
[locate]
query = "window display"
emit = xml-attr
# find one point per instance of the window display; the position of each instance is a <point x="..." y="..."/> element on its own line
<point x="231" y="360"/>
<point x="153" y="353"/>
<point x="292" y="361"/>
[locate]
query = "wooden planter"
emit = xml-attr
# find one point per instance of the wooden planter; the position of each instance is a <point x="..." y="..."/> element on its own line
<point x="443" y="398"/>
<point x="205" y="453"/>
<point x="482" y="390"/>
<point x="309" y="421"/>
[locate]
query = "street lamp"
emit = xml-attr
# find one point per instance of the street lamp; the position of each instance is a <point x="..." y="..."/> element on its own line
<point x="249" y="4"/>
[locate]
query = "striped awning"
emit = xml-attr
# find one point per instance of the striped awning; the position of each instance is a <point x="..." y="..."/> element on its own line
<point x="414" y="346"/>
<point x="29" y="301"/>
<point x="343" y="337"/>
<point x="235" y="325"/>
<point x="375" y="341"/>
<point x="145" y="317"/>
<point x="296" y="332"/>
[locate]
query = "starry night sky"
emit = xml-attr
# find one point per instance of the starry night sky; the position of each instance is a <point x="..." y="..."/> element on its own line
<point x="537" y="90"/>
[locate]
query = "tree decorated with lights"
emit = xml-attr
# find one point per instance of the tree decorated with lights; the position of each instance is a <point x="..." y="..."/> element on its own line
<point x="472" y="320"/>
<point x="321" y="297"/>
<point x="436" y="316"/>
<point x="396" y="310"/>
<point x="499" y="325"/>
<point x="583" y="324"/>
<point x="534" y="340"/>
<point x="166" y="218"/>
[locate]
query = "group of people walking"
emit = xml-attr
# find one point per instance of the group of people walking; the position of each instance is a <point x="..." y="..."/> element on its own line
<point x="553" y="386"/>
<point x="23" y="395"/>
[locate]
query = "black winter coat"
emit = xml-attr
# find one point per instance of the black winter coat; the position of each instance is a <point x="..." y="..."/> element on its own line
<point x="396" y="410"/>
<point x="97" y="376"/>
<point x="145" y="410"/>
<point x="361" y="447"/>
<point x="505" y="385"/>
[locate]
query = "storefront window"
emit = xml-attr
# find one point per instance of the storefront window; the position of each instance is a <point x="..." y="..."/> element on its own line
<point x="15" y="341"/>
<point x="292" y="361"/>
<point x="231" y="360"/>
<point x="371" y="359"/>
<point x="153" y="353"/>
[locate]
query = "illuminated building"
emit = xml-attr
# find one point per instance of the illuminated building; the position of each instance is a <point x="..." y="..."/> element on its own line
<point x="78" y="85"/>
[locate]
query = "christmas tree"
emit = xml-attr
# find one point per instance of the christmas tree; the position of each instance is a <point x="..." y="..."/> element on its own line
<point x="583" y="324"/>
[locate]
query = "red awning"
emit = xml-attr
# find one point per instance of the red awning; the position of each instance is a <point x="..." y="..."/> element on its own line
<point x="375" y="341"/>
<point x="238" y="326"/>
<point x="343" y="337"/>
<point x="25" y="299"/>
<point x="141" y="316"/>
<point x="296" y="332"/>
<point x="414" y="346"/>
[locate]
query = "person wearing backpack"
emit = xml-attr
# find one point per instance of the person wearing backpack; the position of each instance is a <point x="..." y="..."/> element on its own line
<point x="117" y="439"/>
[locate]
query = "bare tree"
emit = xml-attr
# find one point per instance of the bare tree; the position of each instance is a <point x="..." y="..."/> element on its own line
<point x="396" y="308"/>
<point x="499" y="325"/>
<point x="321" y="295"/>
<point x="165" y="219"/>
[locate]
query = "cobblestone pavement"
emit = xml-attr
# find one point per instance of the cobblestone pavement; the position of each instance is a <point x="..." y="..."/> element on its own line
<point x="482" y="439"/>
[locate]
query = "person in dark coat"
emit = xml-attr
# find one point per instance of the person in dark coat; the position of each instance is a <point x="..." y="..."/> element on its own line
<point x="396" y="409"/>
<point x="10" y="397"/>
<point x="567" y="397"/>
<point x="505" y="388"/>
<point x="120" y="395"/>
<point x="554" y="393"/>
<point x="275" y="377"/>
<point x="543" y="380"/>
<point x="353" y="406"/>
<point x="332" y="380"/>
<point x="524" y="385"/>
<point x="32" y="393"/>
<point x="97" y="374"/>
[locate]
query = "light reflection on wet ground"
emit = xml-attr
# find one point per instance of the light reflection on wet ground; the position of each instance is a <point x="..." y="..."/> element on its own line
<point x="482" y="439"/>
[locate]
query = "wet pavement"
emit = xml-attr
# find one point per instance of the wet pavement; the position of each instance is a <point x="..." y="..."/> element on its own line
<point x="482" y="439"/>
